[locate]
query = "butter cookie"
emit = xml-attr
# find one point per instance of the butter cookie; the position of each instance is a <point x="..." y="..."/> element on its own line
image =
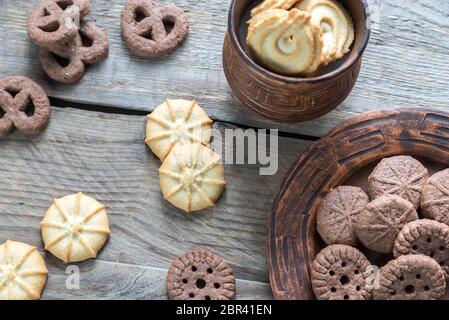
<point x="75" y="228"/>
<point x="177" y="122"/>
<point x="23" y="273"/>
<point x="286" y="42"/>
<point x="192" y="177"/>
<point x="336" y="27"/>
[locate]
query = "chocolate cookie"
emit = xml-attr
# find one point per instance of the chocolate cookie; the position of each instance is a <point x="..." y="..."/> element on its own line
<point x="55" y="21"/>
<point x="67" y="63"/>
<point x="337" y="212"/>
<point x="412" y="277"/>
<point x="151" y="31"/>
<point x="200" y="275"/>
<point x="435" y="197"/>
<point x="23" y="105"/>
<point x="380" y="222"/>
<point x="402" y="176"/>
<point x="341" y="272"/>
<point x="427" y="237"/>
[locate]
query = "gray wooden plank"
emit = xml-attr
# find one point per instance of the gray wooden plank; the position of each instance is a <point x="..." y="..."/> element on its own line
<point x="104" y="155"/>
<point x="102" y="280"/>
<point x="405" y="63"/>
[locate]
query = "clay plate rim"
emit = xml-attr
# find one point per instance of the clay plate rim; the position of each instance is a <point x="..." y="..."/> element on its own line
<point x="291" y="241"/>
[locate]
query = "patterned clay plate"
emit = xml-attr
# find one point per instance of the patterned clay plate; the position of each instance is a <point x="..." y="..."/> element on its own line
<point x="346" y="156"/>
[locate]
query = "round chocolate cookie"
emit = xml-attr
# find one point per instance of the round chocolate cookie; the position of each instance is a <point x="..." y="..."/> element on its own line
<point x="337" y="212"/>
<point x="340" y="272"/>
<point x="427" y="237"/>
<point x="412" y="277"/>
<point x="380" y="222"/>
<point x="200" y="275"/>
<point x="435" y="197"/>
<point x="402" y="175"/>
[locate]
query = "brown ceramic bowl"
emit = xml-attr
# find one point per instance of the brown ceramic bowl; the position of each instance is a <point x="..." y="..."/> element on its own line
<point x="284" y="98"/>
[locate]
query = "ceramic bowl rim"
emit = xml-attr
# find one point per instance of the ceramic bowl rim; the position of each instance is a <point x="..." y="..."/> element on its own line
<point x="297" y="80"/>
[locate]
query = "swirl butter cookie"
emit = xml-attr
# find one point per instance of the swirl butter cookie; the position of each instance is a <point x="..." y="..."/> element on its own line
<point x="336" y="26"/>
<point x="427" y="237"/>
<point x="341" y="272"/>
<point x="411" y="277"/>
<point x="177" y="122"/>
<point x="23" y="273"/>
<point x="200" y="275"/>
<point x="53" y="22"/>
<point x="337" y="213"/>
<point x="435" y="197"/>
<point x="272" y="4"/>
<point x="192" y="177"/>
<point x="151" y="31"/>
<point x="17" y="94"/>
<point x="286" y="42"/>
<point x="380" y="222"/>
<point x="401" y="175"/>
<point x="75" y="228"/>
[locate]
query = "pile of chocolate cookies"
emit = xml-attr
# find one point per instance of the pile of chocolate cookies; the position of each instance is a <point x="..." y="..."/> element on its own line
<point x="407" y="220"/>
<point x="67" y="41"/>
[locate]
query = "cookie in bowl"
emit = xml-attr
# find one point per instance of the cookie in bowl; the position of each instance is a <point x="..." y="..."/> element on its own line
<point x="270" y="70"/>
<point x="296" y="37"/>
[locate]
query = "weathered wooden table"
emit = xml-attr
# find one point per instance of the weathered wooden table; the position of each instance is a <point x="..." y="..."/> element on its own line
<point x="95" y="143"/>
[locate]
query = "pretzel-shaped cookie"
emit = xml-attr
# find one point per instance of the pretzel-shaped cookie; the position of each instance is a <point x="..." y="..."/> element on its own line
<point x="54" y="21"/>
<point x="16" y="93"/>
<point x="76" y="53"/>
<point x="144" y="27"/>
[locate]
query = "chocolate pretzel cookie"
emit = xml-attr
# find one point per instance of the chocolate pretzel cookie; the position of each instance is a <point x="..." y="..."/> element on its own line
<point x="66" y="63"/>
<point x="151" y="31"/>
<point x="55" y="21"/>
<point x="200" y="275"/>
<point x="23" y="105"/>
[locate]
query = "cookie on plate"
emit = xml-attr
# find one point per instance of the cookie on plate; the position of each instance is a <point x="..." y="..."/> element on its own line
<point x="411" y="277"/>
<point x="380" y="222"/>
<point x="427" y="237"/>
<point x="192" y="177"/>
<point x="75" y="228"/>
<point x="200" y="275"/>
<point x="174" y="122"/>
<point x="337" y="212"/>
<point x="435" y="197"/>
<point x="403" y="176"/>
<point x="23" y="273"/>
<point x="341" y="272"/>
